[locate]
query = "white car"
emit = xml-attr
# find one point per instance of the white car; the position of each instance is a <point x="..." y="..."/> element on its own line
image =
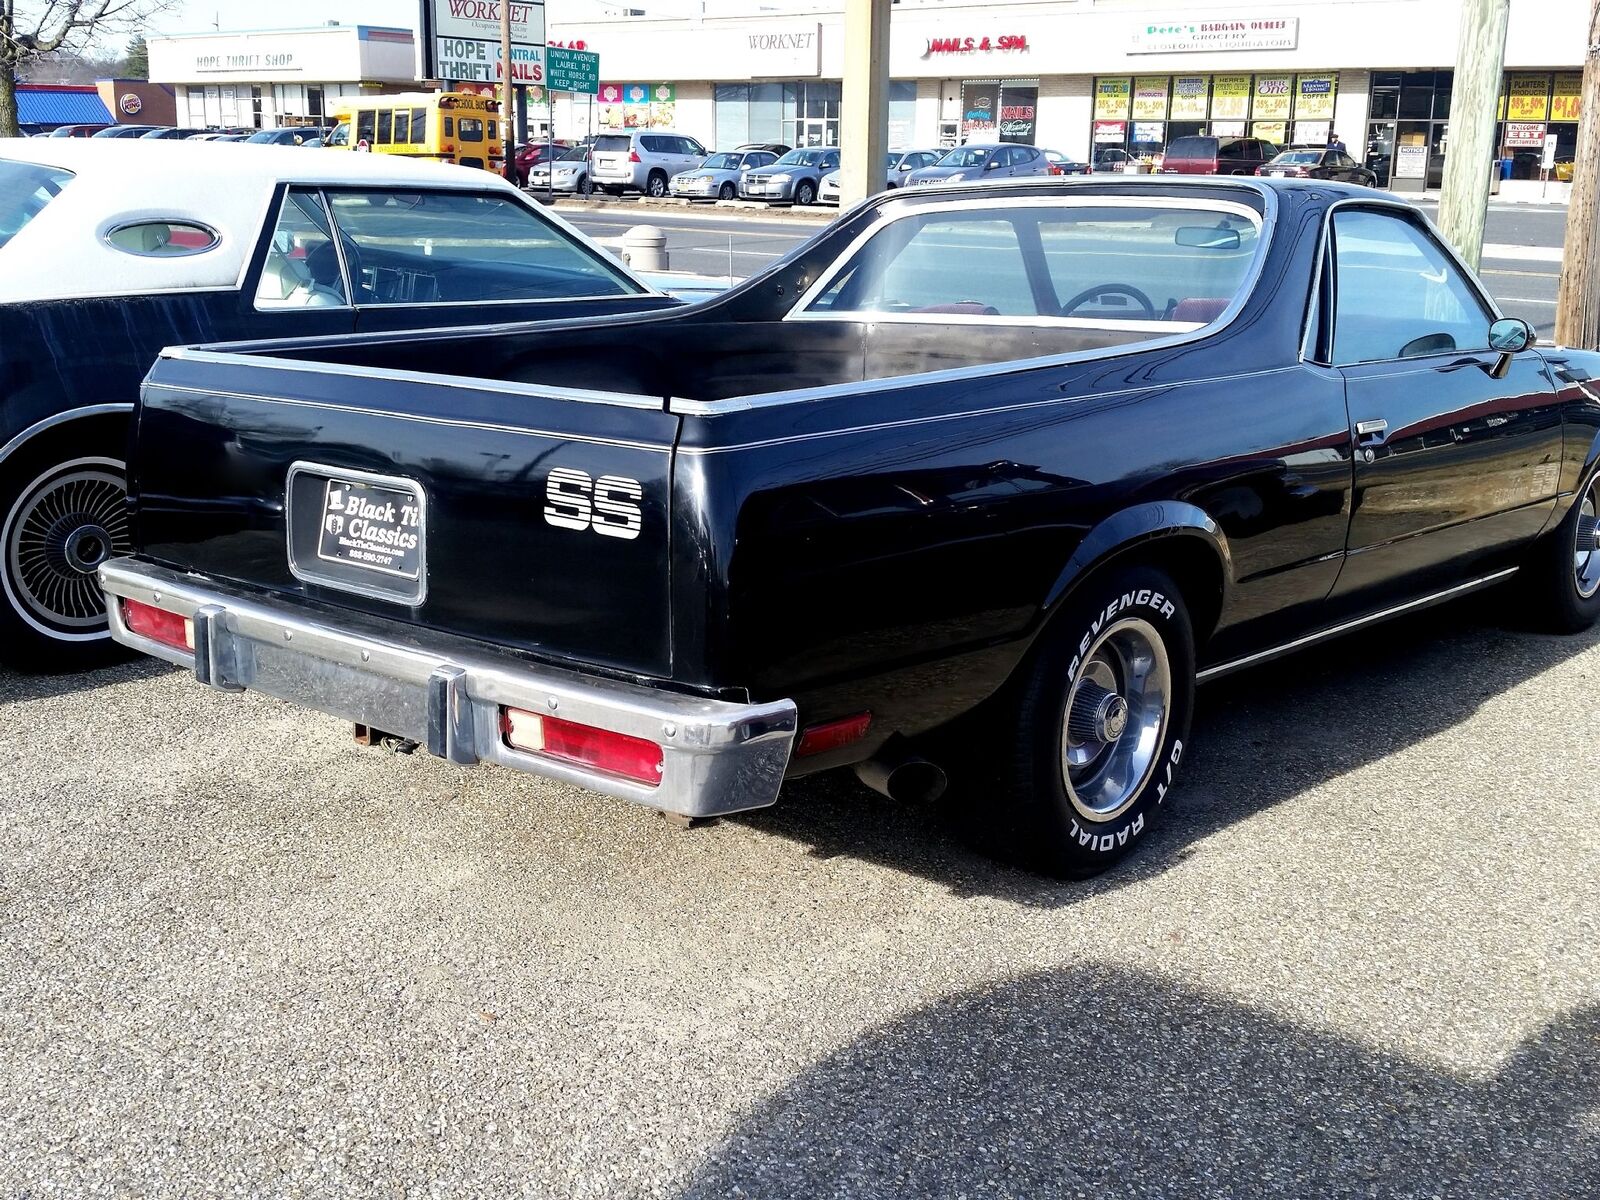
<point x="898" y="165"/>
<point x="111" y="250"/>
<point x="572" y="173"/>
<point x="718" y="177"/>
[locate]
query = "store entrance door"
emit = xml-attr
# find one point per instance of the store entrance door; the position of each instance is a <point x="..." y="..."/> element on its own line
<point x="817" y="132"/>
<point x="1380" y="151"/>
<point x="1412" y="150"/>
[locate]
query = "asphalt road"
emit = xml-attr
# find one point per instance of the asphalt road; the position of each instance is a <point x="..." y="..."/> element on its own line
<point x="1521" y="265"/>
<point x="240" y="955"/>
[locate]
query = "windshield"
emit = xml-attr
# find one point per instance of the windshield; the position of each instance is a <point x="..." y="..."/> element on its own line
<point x="25" y="188"/>
<point x="801" y="158"/>
<point x="722" y="162"/>
<point x="964" y="156"/>
<point x="340" y="135"/>
<point x="1299" y="156"/>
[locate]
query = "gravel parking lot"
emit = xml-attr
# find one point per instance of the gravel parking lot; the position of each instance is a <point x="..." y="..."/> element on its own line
<point x="240" y="955"/>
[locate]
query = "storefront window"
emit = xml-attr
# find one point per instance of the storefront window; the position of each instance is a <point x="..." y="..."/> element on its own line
<point x="1137" y="117"/>
<point x="637" y="105"/>
<point x="999" y="110"/>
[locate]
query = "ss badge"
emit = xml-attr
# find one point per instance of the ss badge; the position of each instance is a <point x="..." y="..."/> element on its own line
<point x="608" y="505"/>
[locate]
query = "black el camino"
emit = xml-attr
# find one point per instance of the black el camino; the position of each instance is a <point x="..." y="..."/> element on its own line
<point x="110" y="250"/>
<point x="973" y="488"/>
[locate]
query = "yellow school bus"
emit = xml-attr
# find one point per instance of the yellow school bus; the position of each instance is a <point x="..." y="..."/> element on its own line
<point x="455" y="127"/>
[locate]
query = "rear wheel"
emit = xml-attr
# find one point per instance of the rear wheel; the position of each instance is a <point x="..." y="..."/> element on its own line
<point x="656" y="185"/>
<point x="61" y="521"/>
<point x="805" y="193"/>
<point x="1090" y="734"/>
<point x="1561" y="579"/>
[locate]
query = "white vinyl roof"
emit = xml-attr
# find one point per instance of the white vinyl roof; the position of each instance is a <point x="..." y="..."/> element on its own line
<point x="62" y="254"/>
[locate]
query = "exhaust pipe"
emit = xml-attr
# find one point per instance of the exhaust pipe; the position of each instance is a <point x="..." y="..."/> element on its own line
<point x="899" y="774"/>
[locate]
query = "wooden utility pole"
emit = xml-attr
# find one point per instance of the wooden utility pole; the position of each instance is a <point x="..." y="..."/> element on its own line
<point x="508" y="103"/>
<point x="1578" y="294"/>
<point x="864" y="104"/>
<point x="1474" y="104"/>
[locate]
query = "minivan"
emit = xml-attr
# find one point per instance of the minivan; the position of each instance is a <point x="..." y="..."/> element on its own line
<point x="1209" y="155"/>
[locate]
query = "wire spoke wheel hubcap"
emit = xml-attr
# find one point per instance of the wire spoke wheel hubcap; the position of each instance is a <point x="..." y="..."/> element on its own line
<point x="1585" y="550"/>
<point x="1116" y="717"/>
<point x="61" y="529"/>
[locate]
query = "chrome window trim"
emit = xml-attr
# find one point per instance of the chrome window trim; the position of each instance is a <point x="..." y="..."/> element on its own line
<point x="109" y="231"/>
<point x="1266" y="221"/>
<point x="1406" y="211"/>
<point x="799" y="310"/>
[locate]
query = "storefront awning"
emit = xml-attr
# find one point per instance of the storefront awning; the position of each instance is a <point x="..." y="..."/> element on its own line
<point x="51" y="106"/>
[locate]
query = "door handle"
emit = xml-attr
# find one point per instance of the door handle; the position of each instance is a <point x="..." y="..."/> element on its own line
<point x="1370" y="434"/>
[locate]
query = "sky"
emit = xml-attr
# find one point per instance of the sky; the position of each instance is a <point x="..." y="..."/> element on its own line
<point x="197" y="16"/>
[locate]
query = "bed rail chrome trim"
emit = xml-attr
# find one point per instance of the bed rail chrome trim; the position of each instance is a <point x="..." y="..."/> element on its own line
<point x="1225" y="668"/>
<point x="446" y="693"/>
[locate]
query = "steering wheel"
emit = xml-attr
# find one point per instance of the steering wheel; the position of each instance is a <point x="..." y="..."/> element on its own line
<point x="1110" y="289"/>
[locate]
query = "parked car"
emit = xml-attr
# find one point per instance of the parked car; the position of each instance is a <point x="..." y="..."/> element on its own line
<point x="987" y="164"/>
<point x="173" y="134"/>
<point x="717" y="178"/>
<point x="1062" y="165"/>
<point x="76" y="130"/>
<point x="1318" y="163"/>
<point x="1205" y="155"/>
<point x="1111" y="160"/>
<point x="642" y="160"/>
<point x="985" y="526"/>
<point x="571" y="169"/>
<point x="296" y="135"/>
<point x="898" y="164"/>
<point x="528" y="155"/>
<point x="776" y="149"/>
<point x="125" y="131"/>
<point x="795" y="178"/>
<point x="109" y="253"/>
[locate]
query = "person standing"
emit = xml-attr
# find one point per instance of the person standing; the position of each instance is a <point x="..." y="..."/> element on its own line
<point x="1334" y="143"/>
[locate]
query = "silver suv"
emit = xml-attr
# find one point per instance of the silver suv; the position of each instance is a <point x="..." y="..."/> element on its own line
<point x="643" y="160"/>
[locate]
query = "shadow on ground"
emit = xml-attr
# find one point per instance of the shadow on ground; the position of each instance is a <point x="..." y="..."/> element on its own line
<point x="1105" y="1082"/>
<point x="16" y="687"/>
<point x="1260" y="738"/>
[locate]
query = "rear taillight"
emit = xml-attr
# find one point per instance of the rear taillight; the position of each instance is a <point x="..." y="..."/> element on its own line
<point x="1055" y="170"/>
<point x="633" y="156"/>
<point x="832" y="735"/>
<point x="584" y="745"/>
<point x="158" y="625"/>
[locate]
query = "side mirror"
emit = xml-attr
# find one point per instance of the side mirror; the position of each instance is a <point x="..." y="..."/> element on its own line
<point x="1509" y="336"/>
<point x="992" y="165"/>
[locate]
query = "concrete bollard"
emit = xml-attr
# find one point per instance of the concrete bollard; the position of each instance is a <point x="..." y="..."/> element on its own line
<point x="644" y="248"/>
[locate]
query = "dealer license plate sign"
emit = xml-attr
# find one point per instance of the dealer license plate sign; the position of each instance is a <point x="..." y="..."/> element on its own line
<point x="375" y="526"/>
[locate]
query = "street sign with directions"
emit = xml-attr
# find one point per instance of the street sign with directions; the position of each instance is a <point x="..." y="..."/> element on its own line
<point x="572" y="70"/>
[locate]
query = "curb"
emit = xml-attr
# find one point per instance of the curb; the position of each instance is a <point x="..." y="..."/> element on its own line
<point x="821" y="214"/>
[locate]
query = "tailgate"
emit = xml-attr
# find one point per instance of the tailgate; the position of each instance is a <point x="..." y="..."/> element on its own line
<point x="525" y="517"/>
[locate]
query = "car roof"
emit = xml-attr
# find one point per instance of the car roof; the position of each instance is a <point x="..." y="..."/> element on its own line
<point x="62" y="254"/>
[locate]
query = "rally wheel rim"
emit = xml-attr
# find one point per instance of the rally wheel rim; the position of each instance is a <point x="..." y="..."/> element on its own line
<point x="1117" y="711"/>
<point x="64" y="525"/>
<point x="1586" y="542"/>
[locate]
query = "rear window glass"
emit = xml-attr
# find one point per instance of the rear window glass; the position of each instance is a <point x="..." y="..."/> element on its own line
<point x="1192" y="147"/>
<point x="1299" y="156"/>
<point x="615" y="141"/>
<point x="463" y="247"/>
<point x="25" y="189"/>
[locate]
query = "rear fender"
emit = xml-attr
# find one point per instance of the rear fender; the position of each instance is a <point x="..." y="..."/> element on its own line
<point x="1139" y="530"/>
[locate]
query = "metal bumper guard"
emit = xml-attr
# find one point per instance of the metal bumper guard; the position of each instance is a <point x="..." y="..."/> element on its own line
<point x="447" y="694"/>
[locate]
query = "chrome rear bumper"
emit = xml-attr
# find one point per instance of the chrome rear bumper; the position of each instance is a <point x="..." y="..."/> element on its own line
<point x="446" y="693"/>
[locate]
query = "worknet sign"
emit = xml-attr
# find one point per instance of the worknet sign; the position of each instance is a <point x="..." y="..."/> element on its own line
<point x="461" y="40"/>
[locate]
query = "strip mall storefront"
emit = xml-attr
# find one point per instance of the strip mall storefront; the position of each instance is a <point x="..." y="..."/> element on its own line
<point x="1117" y="83"/>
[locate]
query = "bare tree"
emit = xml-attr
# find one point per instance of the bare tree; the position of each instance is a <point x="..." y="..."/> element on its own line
<point x="31" y="29"/>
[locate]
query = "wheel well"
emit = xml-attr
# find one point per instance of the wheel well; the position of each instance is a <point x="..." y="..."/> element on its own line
<point x="1194" y="566"/>
<point x="103" y="433"/>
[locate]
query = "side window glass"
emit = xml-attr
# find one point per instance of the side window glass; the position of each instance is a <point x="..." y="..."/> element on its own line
<point x="449" y="126"/>
<point x="907" y="269"/>
<point x="435" y="247"/>
<point x="384" y="119"/>
<point x="1398" y="294"/>
<point x="471" y="129"/>
<point x="402" y="127"/>
<point x="650" y="145"/>
<point x="365" y="125"/>
<point x="162" y="239"/>
<point x="302" y="264"/>
<point x="419" y="126"/>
